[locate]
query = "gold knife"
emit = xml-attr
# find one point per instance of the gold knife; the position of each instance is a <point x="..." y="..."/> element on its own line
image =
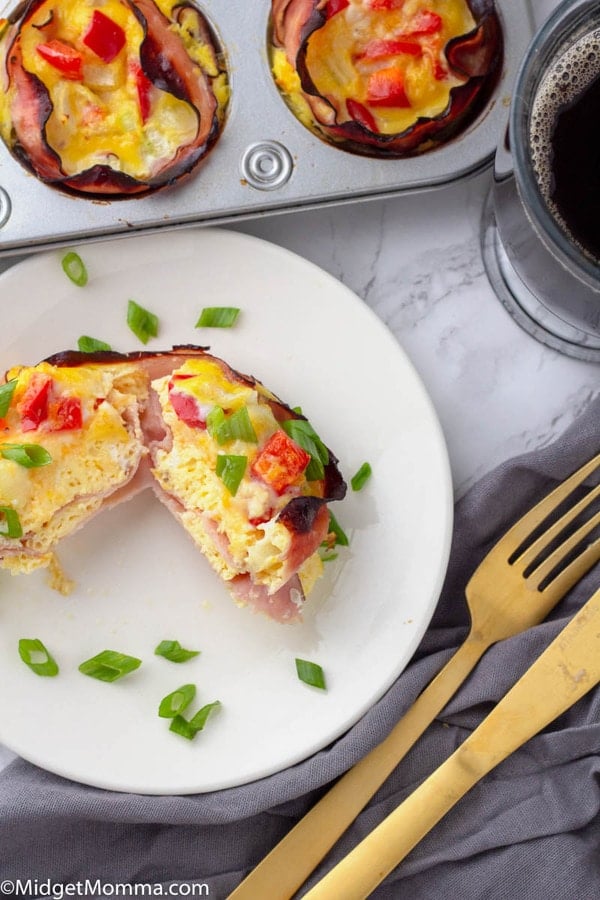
<point x="566" y="670"/>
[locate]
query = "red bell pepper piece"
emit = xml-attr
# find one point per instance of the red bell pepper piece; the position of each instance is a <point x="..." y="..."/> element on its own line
<point x="335" y="6"/>
<point x="186" y="406"/>
<point x="144" y="90"/>
<point x="33" y="405"/>
<point x="386" y="88"/>
<point x="386" y="4"/>
<point x="62" y="57"/>
<point x="379" y="49"/>
<point x="426" y="22"/>
<point x="361" y="114"/>
<point x="64" y="414"/>
<point x="104" y="37"/>
<point x="280" y="462"/>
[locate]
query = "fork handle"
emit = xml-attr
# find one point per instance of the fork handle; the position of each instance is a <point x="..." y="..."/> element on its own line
<point x="280" y="874"/>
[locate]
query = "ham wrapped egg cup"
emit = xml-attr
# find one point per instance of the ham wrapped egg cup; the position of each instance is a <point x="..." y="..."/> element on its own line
<point x="244" y="474"/>
<point x="111" y="98"/>
<point x="389" y="78"/>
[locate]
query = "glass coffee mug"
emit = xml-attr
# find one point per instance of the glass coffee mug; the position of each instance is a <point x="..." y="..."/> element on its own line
<point x="541" y="223"/>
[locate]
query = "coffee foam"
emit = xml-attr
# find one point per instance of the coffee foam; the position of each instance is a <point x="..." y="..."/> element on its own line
<point x="575" y="69"/>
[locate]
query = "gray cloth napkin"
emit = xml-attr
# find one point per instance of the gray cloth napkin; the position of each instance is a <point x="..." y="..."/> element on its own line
<point x="529" y="831"/>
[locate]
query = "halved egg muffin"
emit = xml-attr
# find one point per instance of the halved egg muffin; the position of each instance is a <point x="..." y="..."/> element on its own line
<point x="245" y="475"/>
<point x="70" y="443"/>
<point x="110" y="97"/>
<point x="385" y="77"/>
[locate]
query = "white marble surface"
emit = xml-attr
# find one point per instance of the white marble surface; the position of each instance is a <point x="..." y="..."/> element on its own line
<point x="416" y="261"/>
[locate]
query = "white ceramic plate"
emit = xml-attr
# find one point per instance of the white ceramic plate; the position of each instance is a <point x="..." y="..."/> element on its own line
<point x="138" y="577"/>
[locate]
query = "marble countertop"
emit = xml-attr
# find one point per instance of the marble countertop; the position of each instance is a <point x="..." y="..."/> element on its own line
<point x="416" y="260"/>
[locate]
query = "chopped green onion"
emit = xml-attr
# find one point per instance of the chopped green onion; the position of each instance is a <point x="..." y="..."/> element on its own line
<point x="198" y="720"/>
<point x="341" y="537"/>
<point x="174" y="703"/>
<point x="237" y="426"/>
<point x="6" y="392"/>
<point x="74" y="268"/>
<point x="327" y="556"/>
<point x="189" y="728"/>
<point x="35" y="655"/>
<point x="174" y="652"/>
<point x="230" y="469"/>
<point x="31" y="456"/>
<point x="311" y="673"/>
<point x="142" y="322"/>
<point x="302" y="432"/>
<point x="359" y="480"/>
<point x="109" y="665"/>
<point x="89" y="344"/>
<point x="180" y="725"/>
<point x="218" y="317"/>
<point x="10" y="524"/>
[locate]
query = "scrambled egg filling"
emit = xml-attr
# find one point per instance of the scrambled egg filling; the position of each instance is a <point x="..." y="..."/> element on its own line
<point x="238" y="533"/>
<point x="111" y="115"/>
<point x="352" y="56"/>
<point x="87" y="461"/>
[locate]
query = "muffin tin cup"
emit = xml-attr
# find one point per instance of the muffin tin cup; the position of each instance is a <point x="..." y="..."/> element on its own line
<point x="265" y="160"/>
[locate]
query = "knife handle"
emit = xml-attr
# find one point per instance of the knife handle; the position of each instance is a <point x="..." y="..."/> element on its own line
<point x="279" y="875"/>
<point x="567" y="670"/>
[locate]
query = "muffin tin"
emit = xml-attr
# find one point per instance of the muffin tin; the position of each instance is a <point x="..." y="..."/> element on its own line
<point x="265" y="161"/>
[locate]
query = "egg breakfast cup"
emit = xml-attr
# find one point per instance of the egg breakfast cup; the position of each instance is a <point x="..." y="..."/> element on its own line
<point x="110" y="99"/>
<point x="385" y="78"/>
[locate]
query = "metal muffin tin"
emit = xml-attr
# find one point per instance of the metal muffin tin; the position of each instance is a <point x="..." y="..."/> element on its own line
<point x="265" y="161"/>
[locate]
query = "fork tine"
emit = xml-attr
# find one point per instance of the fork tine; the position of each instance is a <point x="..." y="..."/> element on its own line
<point x="532" y="552"/>
<point x="528" y="523"/>
<point x="574" y="572"/>
<point x="547" y="566"/>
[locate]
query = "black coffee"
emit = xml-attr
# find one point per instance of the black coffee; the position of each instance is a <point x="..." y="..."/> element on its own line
<point x="565" y="141"/>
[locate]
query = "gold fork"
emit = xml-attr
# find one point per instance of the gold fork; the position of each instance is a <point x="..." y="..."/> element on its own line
<point x="566" y="670"/>
<point x="507" y="594"/>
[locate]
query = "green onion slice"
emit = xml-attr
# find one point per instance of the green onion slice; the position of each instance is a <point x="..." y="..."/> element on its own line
<point x="142" y="322"/>
<point x="174" y="703"/>
<point x="189" y="728"/>
<point x="74" y="268"/>
<point x="6" y="392"/>
<point x="180" y="725"/>
<point x="341" y="538"/>
<point x="198" y="720"/>
<point x="311" y="673"/>
<point x="236" y="427"/>
<point x="218" y="317"/>
<point x="230" y="469"/>
<point x="302" y="432"/>
<point x="327" y="555"/>
<point x="35" y="655"/>
<point x="109" y="665"/>
<point x="174" y="652"/>
<point x="361" y="477"/>
<point x="89" y="344"/>
<point x="10" y="524"/>
<point x="31" y="456"/>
